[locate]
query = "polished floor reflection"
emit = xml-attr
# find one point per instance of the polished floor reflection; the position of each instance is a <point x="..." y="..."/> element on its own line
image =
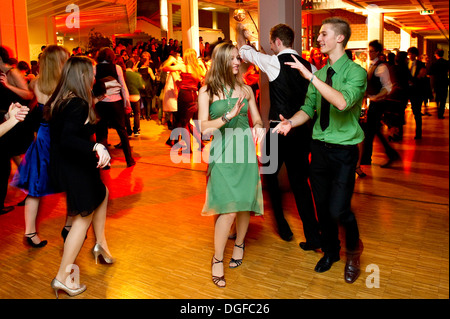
<point x="163" y="246"/>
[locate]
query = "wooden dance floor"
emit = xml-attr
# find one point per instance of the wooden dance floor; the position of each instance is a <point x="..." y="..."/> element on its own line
<point x="163" y="246"/>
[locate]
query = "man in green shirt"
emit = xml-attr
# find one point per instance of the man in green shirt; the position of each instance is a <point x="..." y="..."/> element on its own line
<point x="335" y="94"/>
<point x="135" y="85"/>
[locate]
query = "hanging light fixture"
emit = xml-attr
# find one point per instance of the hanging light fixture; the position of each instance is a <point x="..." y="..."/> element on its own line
<point x="239" y="13"/>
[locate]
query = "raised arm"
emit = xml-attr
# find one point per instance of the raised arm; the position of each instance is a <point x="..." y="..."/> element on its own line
<point x="331" y="95"/>
<point x="17" y="84"/>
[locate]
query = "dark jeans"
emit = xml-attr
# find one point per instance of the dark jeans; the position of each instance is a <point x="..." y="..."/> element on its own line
<point x="15" y="142"/>
<point x="441" y="99"/>
<point x="136" y="106"/>
<point x="416" y="107"/>
<point x="293" y="151"/>
<point x="332" y="182"/>
<point x="372" y="129"/>
<point x="5" y="171"/>
<point x="112" y="114"/>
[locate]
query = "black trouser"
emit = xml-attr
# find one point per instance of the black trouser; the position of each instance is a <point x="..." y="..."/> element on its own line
<point x="15" y="142"/>
<point x="136" y="106"/>
<point x="112" y="114"/>
<point x="5" y="171"/>
<point x="332" y="182"/>
<point x="293" y="151"/>
<point x="416" y="107"/>
<point x="441" y="99"/>
<point x="372" y="129"/>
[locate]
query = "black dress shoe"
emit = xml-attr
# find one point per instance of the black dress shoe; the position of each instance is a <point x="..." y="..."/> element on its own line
<point x="286" y="235"/>
<point x="284" y="230"/>
<point x="352" y="266"/>
<point x="325" y="263"/>
<point x="6" y="210"/>
<point x="309" y="246"/>
<point x="391" y="160"/>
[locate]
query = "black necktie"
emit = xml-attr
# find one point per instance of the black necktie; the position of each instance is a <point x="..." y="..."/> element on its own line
<point x="325" y="108"/>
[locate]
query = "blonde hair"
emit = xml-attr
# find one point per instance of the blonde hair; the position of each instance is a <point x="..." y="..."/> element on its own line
<point x="220" y="73"/>
<point x="77" y="78"/>
<point x="191" y="61"/>
<point x="51" y="63"/>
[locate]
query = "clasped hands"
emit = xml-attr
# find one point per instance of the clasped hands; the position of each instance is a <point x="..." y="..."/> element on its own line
<point x="17" y="111"/>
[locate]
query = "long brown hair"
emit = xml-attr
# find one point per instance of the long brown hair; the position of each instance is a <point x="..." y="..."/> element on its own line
<point x="76" y="80"/>
<point x="51" y="63"/>
<point x="220" y="73"/>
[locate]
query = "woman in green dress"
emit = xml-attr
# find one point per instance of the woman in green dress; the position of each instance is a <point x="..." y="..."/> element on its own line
<point x="233" y="183"/>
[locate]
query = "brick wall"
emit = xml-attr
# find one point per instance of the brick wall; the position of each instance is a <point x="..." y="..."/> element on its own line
<point x="391" y="36"/>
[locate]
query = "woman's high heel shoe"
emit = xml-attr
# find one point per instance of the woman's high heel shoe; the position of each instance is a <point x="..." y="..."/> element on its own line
<point x="65" y="232"/>
<point x="237" y="262"/>
<point x="57" y="285"/>
<point x="29" y="241"/>
<point x="216" y="279"/>
<point x="99" y="251"/>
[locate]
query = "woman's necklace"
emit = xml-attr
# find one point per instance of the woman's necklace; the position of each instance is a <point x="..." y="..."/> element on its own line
<point x="228" y="95"/>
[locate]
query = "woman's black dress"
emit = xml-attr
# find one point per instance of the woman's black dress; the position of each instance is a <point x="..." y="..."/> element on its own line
<point x="73" y="162"/>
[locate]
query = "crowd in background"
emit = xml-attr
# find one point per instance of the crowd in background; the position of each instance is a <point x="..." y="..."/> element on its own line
<point x="144" y="86"/>
<point x="151" y="84"/>
<point x="425" y="83"/>
<point x="157" y="80"/>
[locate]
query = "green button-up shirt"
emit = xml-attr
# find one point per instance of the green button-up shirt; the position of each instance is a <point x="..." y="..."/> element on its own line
<point x="351" y="80"/>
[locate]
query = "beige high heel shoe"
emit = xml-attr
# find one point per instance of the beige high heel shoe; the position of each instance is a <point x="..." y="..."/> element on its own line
<point x="57" y="285"/>
<point x="99" y="251"/>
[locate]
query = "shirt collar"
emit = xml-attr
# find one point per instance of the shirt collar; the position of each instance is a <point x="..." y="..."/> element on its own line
<point x="288" y="51"/>
<point x="337" y="66"/>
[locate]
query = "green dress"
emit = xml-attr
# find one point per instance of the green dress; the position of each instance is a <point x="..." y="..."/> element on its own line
<point x="233" y="180"/>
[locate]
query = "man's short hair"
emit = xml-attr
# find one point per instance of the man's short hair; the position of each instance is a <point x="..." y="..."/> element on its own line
<point x="129" y="64"/>
<point x="376" y="45"/>
<point x="439" y="53"/>
<point x="340" y="26"/>
<point x="284" y="33"/>
<point x="413" y="50"/>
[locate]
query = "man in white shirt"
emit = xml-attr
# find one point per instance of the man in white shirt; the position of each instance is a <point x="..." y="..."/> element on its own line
<point x="287" y="94"/>
<point x="379" y="86"/>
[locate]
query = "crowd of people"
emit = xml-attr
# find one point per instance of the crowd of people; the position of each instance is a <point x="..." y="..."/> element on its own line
<point x="395" y="79"/>
<point x="52" y="111"/>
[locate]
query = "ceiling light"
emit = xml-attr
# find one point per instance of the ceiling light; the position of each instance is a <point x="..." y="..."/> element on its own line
<point x="426" y="12"/>
<point x="239" y="13"/>
<point x="208" y="8"/>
